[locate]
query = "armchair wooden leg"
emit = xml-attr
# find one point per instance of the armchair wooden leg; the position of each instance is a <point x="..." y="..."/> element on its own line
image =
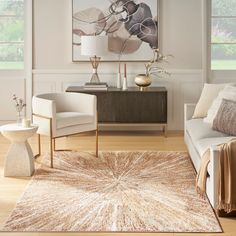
<point x="54" y="145"/>
<point x="165" y="131"/>
<point x="39" y="147"/>
<point x="96" y="142"/>
<point x="52" y="141"/>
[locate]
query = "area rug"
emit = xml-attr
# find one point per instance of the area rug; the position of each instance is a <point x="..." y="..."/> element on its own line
<point x="119" y="192"/>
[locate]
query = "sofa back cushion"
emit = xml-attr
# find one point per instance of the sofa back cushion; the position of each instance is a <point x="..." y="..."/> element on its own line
<point x="209" y="93"/>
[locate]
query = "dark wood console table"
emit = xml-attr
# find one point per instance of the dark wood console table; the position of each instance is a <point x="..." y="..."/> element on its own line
<point x="130" y="107"/>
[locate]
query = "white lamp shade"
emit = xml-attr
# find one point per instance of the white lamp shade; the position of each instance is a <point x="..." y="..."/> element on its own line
<point x="94" y="45"/>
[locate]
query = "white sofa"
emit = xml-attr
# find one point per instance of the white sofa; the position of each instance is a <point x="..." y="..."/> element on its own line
<point x="199" y="136"/>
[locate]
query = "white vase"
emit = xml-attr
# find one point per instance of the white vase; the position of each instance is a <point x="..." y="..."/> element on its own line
<point x="118" y="84"/>
<point x="125" y="87"/>
<point x="19" y="118"/>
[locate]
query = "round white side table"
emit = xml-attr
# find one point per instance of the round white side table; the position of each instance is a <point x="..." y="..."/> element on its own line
<point x="19" y="160"/>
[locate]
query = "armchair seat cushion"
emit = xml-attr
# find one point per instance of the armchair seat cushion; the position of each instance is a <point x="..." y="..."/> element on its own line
<point x="66" y="119"/>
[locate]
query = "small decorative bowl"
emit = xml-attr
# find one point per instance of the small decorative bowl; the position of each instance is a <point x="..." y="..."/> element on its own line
<point x="143" y="81"/>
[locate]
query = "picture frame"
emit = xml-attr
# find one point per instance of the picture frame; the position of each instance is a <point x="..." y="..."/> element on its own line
<point x="130" y="39"/>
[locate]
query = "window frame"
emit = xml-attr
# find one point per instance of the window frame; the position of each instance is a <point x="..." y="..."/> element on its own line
<point x="216" y="73"/>
<point x="26" y="73"/>
<point x="14" y="71"/>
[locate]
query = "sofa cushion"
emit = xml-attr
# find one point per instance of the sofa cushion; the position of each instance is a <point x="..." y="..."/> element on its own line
<point x="228" y="93"/>
<point x="197" y="129"/>
<point x="225" y="120"/>
<point x="203" y="144"/>
<point x="209" y="93"/>
<point x="66" y="119"/>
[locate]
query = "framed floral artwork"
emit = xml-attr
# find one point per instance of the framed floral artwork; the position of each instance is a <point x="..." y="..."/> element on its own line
<point x="132" y="27"/>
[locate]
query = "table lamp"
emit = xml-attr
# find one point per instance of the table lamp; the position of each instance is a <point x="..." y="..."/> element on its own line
<point x="94" y="46"/>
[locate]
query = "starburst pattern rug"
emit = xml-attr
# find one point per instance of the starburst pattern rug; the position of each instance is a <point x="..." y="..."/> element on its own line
<point x="119" y="191"/>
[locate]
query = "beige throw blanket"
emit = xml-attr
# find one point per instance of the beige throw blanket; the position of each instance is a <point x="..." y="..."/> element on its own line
<point x="227" y="176"/>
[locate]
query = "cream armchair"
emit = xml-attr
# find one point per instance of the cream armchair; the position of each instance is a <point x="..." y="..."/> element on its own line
<point x="63" y="114"/>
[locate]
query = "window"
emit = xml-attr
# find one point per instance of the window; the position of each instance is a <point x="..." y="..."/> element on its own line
<point x="11" y="34"/>
<point x="223" y="35"/>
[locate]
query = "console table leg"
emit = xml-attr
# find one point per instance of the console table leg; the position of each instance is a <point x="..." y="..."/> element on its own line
<point x="165" y="130"/>
<point x="97" y="142"/>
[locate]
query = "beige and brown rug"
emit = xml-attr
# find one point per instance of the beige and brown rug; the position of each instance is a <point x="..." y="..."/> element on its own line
<point x="119" y="191"/>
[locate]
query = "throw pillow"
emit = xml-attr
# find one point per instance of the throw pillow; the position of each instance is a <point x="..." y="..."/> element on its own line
<point x="209" y="93"/>
<point x="225" y="120"/>
<point x="229" y="93"/>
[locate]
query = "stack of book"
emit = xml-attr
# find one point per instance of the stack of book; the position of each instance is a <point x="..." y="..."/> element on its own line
<point x="96" y="86"/>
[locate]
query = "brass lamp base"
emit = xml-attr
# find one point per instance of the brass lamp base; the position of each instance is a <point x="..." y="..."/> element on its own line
<point x="95" y="62"/>
<point x="94" y="78"/>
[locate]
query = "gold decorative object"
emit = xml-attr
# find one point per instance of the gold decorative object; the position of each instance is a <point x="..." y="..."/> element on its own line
<point x="153" y="70"/>
<point x="95" y="62"/>
<point x="143" y="81"/>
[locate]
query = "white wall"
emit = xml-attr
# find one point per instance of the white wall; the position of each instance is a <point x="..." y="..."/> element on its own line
<point x="181" y="35"/>
<point x="10" y="85"/>
<point x="11" y="82"/>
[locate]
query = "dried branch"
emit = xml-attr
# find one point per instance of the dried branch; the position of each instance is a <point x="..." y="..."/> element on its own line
<point x="153" y="69"/>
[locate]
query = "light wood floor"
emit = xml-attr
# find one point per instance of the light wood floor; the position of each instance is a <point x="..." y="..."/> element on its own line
<point x="12" y="188"/>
